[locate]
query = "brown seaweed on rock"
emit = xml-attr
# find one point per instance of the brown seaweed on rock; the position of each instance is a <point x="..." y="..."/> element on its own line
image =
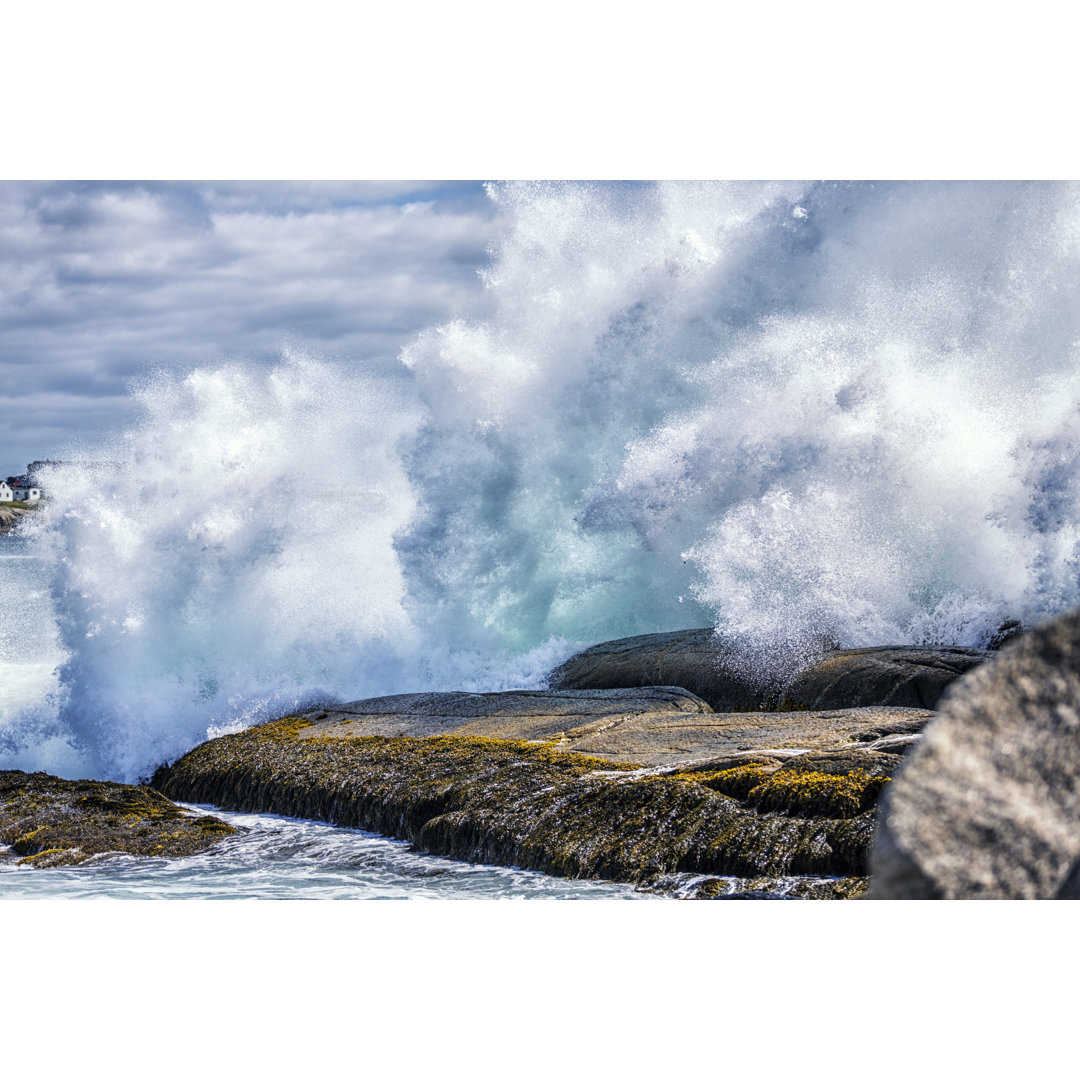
<point x="526" y="804"/>
<point x="47" y="821"/>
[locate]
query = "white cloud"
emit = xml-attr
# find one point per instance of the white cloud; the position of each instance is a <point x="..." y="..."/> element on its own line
<point x="99" y="282"/>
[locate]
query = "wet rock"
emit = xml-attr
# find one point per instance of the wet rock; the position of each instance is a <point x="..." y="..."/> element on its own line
<point x="686" y="658"/>
<point x="698" y="661"/>
<point x="988" y="804"/>
<point x="10" y="516"/>
<point x="1005" y="633"/>
<point x="46" y="821"/>
<point x="536" y="804"/>
<point x="805" y="888"/>
<point x="754" y="894"/>
<point x="912" y="676"/>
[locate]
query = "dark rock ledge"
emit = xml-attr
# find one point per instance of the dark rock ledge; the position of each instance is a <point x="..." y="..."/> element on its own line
<point x="699" y="660"/>
<point x="46" y="821"/>
<point x="669" y="790"/>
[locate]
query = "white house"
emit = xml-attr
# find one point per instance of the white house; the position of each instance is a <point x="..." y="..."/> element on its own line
<point x="18" y="493"/>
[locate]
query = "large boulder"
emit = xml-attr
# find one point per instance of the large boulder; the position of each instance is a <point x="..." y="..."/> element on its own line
<point x="696" y="802"/>
<point x="687" y="658"/>
<point x="915" y="676"/>
<point x="988" y="805"/>
<point x="698" y="661"/>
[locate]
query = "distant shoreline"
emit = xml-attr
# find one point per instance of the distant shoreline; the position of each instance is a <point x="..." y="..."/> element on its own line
<point x="11" y="512"/>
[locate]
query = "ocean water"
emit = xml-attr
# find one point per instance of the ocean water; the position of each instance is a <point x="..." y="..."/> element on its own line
<point x="799" y="412"/>
<point x="276" y="858"/>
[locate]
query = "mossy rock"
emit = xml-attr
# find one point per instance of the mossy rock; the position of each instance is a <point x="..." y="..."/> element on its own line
<point x="48" y="821"/>
<point x="806" y="888"/>
<point x="818" y="793"/>
<point x="521" y="803"/>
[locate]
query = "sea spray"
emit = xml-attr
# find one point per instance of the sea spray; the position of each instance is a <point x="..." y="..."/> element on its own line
<point x="808" y="414"/>
<point x="236" y="561"/>
<point x="805" y="414"/>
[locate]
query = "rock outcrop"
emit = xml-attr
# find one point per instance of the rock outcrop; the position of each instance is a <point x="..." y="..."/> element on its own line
<point x="646" y="785"/>
<point x="10" y="517"/>
<point x="646" y="726"/>
<point x="988" y="805"/>
<point x="692" y="659"/>
<point x="912" y="676"/>
<point x="898" y="675"/>
<point x="46" y="821"/>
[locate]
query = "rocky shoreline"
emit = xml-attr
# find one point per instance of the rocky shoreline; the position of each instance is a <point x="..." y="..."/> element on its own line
<point x="11" y="515"/>
<point x="765" y="812"/>
<point x="651" y="784"/>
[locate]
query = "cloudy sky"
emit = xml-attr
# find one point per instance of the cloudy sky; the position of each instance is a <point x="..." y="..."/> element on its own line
<point x="102" y="282"/>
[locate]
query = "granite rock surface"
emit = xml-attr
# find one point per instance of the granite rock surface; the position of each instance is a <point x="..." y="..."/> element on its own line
<point x="647" y="785"/>
<point x="988" y="805"/>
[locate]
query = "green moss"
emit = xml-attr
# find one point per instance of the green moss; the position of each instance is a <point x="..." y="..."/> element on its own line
<point x="807" y="888"/>
<point x="53" y="857"/>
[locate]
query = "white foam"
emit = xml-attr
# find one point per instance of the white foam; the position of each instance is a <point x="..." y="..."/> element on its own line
<point x="804" y="413"/>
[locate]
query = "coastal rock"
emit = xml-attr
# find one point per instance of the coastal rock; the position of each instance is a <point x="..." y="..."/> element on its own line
<point x="647" y="726"/>
<point x="772" y="889"/>
<point x="988" y="804"/>
<point x="915" y="676"/>
<point x="46" y="821"/>
<point x="515" y="803"/>
<point x="691" y="659"/>
<point x="628" y="785"/>
<point x="912" y="676"/>
<point x="10" y="517"/>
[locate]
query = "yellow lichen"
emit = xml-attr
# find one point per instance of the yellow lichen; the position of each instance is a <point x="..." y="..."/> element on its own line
<point x="824" y="794"/>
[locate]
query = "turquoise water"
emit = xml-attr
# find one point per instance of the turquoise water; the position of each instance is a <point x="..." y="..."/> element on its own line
<point x="272" y="858"/>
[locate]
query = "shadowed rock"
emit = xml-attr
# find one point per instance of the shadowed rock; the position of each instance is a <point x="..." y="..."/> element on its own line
<point x="687" y="658"/>
<point x="988" y="805"/>
<point x="893" y="675"/>
<point x="46" y="821"/>
<point x="697" y="660"/>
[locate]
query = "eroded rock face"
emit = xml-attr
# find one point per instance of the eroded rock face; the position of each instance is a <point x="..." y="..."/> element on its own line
<point x="46" y="821"/>
<point x="638" y="785"/>
<point x="909" y="676"/>
<point x="517" y="803"/>
<point x="10" y="517"/>
<point x="988" y="805"/>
